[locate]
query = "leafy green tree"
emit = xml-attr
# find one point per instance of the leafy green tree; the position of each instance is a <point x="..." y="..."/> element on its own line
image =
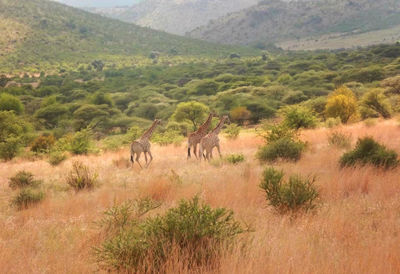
<point x="341" y="103"/>
<point x="98" y="65"/>
<point x="240" y="114"/>
<point x="87" y="114"/>
<point x="147" y="111"/>
<point x="193" y="112"/>
<point x="206" y="87"/>
<point x="9" y="102"/>
<point x="52" y="114"/>
<point x="376" y="101"/>
<point x="13" y="134"/>
<point x="100" y="98"/>
<point x="3" y="81"/>
<point x="259" y="111"/>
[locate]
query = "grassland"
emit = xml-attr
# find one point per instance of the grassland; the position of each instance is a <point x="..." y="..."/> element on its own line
<point x="354" y="228"/>
<point x="344" y="40"/>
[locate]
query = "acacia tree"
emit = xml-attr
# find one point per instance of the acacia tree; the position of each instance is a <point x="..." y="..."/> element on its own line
<point x="240" y="114"/>
<point x="194" y="112"/>
<point x="375" y="101"/>
<point x="392" y="84"/>
<point x="341" y="103"/>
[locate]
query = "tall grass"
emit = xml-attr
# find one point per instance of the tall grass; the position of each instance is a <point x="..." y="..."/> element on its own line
<point x="355" y="228"/>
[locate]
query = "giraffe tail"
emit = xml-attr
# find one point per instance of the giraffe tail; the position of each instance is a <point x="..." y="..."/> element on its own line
<point x="132" y="159"/>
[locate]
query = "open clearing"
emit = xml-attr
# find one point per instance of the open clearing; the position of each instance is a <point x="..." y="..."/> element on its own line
<point x="355" y="228"/>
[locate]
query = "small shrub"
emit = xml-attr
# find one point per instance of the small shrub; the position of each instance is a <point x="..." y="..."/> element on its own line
<point x="340" y="140"/>
<point x="80" y="143"/>
<point x="80" y="177"/>
<point x="333" y="122"/>
<point x="27" y="197"/>
<point x="57" y="157"/>
<point x="232" y="131"/>
<point x="43" y="143"/>
<point x="122" y="162"/>
<point x="23" y="179"/>
<point x="295" y="194"/>
<point x="370" y="122"/>
<point x="192" y="229"/>
<point x="284" y="148"/>
<point x="368" y="151"/>
<point x="272" y="133"/>
<point x="235" y="158"/>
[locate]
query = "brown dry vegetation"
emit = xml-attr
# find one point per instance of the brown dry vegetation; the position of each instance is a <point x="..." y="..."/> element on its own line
<point x="355" y="228"/>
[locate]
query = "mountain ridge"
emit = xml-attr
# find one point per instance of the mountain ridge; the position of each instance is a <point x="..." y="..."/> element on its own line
<point x="40" y="31"/>
<point x="174" y="16"/>
<point x="277" y="21"/>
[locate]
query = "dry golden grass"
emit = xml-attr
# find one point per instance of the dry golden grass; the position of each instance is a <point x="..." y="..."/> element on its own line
<point x="355" y="228"/>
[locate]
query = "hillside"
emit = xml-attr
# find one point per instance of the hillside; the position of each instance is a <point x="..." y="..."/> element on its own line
<point x="176" y="16"/>
<point x="277" y="21"/>
<point x="40" y="34"/>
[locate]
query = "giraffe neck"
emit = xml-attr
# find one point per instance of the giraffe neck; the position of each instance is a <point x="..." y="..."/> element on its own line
<point x="149" y="132"/>
<point x="203" y="128"/>
<point x="217" y="130"/>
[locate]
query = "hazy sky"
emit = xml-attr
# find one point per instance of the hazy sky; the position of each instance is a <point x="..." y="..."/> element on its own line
<point x="98" y="3"/>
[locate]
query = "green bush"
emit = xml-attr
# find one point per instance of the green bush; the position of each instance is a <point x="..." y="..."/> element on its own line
<point x="294" y="195"/>
<point x="297" y="117"/>
<point x="80" y="142"/>
<point x="43" y="143"/>
<point x="368" y="151"/>
<point x="193" y="231"/>
<point x="232" y="131"/>
<point x="333" y="122"/>
<point x="340" y="140"/>
<point x="27" y="197"/>
<point x="22" y="179"/>
<point x="80" y="177"/>
<point x="272" y="133"/>
<point x="10" y="148"/>
<point x="9" y="102"/>
<point x="168" y="137"/>
<point x="14" y="133"/>
<point x="56" y="157"/>
<point x="284" y="148"/>
<point x="235" y="158"/>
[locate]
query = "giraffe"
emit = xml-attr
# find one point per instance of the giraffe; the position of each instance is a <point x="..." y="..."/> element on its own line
<point x="195" y="137"/>
<point x="143" y="145"/>
<point x="211" y="140"/>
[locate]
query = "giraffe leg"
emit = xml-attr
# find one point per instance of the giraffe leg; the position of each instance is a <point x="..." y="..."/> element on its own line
<point x="200" y="152"/>
<point x="208" y="155"/>
<point x="219" y="151"/>
<point x="145" y="157"/>
<point x="211" y="153"/>
<point x="137" y="159"/>
<point x="132" y="158"/>
<point x="195" y="150"/>
<point x="151" y="158"/>
<point x="188" y="156"/>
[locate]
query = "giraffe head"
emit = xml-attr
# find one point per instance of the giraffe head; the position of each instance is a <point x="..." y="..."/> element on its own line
<point x="226" y="119"/>
<point x="157" y="121"/>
